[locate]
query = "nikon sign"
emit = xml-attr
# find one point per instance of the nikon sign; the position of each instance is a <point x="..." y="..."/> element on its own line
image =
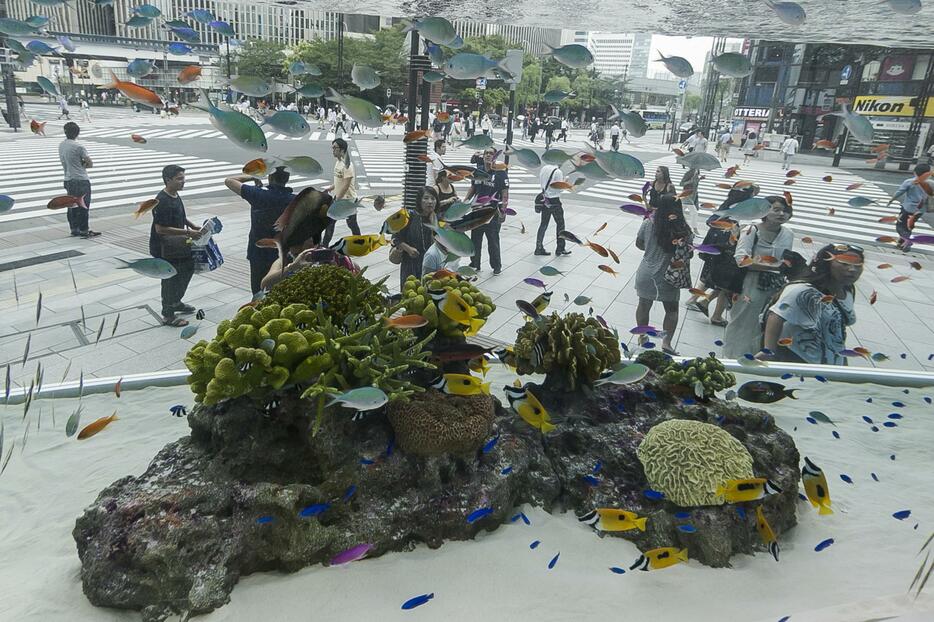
<point x="890" y="106"/>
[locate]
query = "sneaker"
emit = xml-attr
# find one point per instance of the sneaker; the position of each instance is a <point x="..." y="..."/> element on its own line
<point x="564" y="253"/>
<point x="497" y="271"/>
<point x="692" y="306"/>
<point x="75" y="233"/>
<point x="89" y="234"/>
<point x="541" y="251"/>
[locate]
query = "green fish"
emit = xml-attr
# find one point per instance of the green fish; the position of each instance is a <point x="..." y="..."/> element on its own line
<point x="72" y="424"/>
<point x="581" y="300"/>
<point x="526" y="157"/>
<point x="363" y="398"/>
<point x="634" y="123"/>
<point x="860" y="201"/>
<point x="624" y="375"/>
<point x="467" y="271"/>
<point x="819" y="416"/>
<point x="572" y="55"/>
<point x="303" y="165"/>
<point x="24" y="61"/>
<point x="593" y="171"/>
<point x="360" y="110"/>
<point x="699" y="160"/>
<point x="750" y="209"/>
<point x="550" y="271"/>
<point x="457" y="210"/>
<point x="176" y="23"/>
<point x="859" y="126"/>
<point x="364" y="77"/>
<point x="138" y="21"/>
<point x="15" y="27"/>
<point x="288" y="123"/>
<point x="17" y="47"/>
<point x="436" y="29"/>
<point x="557" y="157"/>
<point x="312" y="89"/>
<point x="619" y="165"/>
<point x="36" y="21"/>
<point x="677" y="65"/>
<point x="147" y="10"/>
<point x="454" y="242"/>
<point x="48" y="86"/>
<point x="235" y="125"/>
<point x="467" y="66"/>
<point x="478" y="142"/>
<point x="733" y="65"/>
<point x="251" y="85"/>
<point x="556" y="96"/>
<point x="433" y="76"/>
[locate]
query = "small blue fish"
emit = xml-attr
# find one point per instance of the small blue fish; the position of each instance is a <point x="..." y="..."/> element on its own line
<point x="591" y="480"/>
<point x="478" y="514"/>
<point x="823" y="545"/>
<point x="178" y="410"/>
<point x="874" y="476"/>
<point x="390" y="446"/>
<point x="554" y="561"/>
<point x="687" y="528"/>
<point x="616" y="570"/>
<point x="890" y="424"/>
<point x="597" y="467"/>
<point x="787" y="376"/>
<point x="535" y="544"/>
<point x="718" y="342"/>
<point x="874" y="428"/>
<point x="683" y="515"/>
<point x="178" y="48"/>
<point x="351" y="490"/>
<point x="314" y="510"/>
<point x="741" y="511"/>
<point x="506" y="471"/>
<point x="892" y="457"/>
<point x="898" y="404"/>
<point x="720" y="419"/>
<point x="785" y="619"/>
<point x="490" y="444"/>
<point x="835" y="434"/>
<point x="869" y="400"/>
<point x="802" y="497"/>
<point x="649" y="393"/>
<point x="654" y="495"/>
<point x="902" y="514"/>
<point x="903" y="355"/>
<point x="626" y="350"/>
<point x="820" y="379"/>
<point x="896" y="416"/>
<point x="265" y="520"/>
<point x="811" y="420"/>
<point x="366" y="461"/>
<point x="767" y="352"/>
<point x="867" y="419"/>
<point x="688" y="401"/>
<point x="927" y="400"/>
<point x="418" y="601"/>
<point x="525" y="519"/>
<point x="846" y="478"/>
<point x="648" y="345"/>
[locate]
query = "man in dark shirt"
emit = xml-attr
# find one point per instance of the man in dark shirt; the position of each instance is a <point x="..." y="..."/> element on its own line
<point x="169" y="219"/>
<point x="266" y="205"/>
<point x="495" y="185"/>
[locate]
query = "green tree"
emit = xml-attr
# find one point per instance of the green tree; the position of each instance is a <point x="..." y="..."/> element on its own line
<point x="527" y="91"/>
<point x="692" y="103"/>
<point x="559" y="83"/>
<point x="261" y="58"/>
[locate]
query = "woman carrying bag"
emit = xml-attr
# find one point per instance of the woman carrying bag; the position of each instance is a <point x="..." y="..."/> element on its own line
<point x="413" y="241"/>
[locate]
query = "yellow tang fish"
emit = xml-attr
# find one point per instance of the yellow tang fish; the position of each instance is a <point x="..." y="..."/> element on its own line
<point x="541" y="301"/>
<point x="397" y="222"/>
<point x="765" y="531"/>
<point x="461" y="384"/>
<point x="611" y="519"/>
<point x="656" y="559"/>
<point x="450" y="303"/>
<point x="815" y="485"/>
<point x="529" y="408"/>
<point x="360" y="245"/>
<point x="742" y="490"/>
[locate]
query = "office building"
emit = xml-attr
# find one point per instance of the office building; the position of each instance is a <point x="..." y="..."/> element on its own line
<point x="615" y="54"/>
<point x="530" y="38"/>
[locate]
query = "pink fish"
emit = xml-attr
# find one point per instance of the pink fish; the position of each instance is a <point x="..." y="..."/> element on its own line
<point x="643" y="330"/>
<point x="534" y="282"/>
<point x="707" y="248"/>
<point x="352" y="554"/>
<point x="636" y="210"/>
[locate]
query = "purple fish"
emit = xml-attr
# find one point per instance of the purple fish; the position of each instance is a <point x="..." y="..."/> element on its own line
<point x="642" y="330"/>
<point x="534" y="282"/>
<point x="646" y="186"/>
<point x="707" y="248"/>
<point x="634" y="209"/>
<point x="603" y="322"/>
<point x="849" y="353"/>
<point x="509" y="211"/>
<point x="823" y="545"/>
<point x="351" y="555"/>
<point x="923" y="238"/>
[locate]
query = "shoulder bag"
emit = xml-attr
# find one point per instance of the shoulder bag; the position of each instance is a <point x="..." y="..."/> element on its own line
<point x="541" y="203"/>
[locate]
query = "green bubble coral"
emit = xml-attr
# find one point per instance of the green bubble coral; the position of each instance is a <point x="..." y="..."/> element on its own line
<point x="687" y="460"/>
<point x="574" y="350"/>
<point x="416" y="300"/>
<point x="709" y="371"/>
<point x="341" y="291"/>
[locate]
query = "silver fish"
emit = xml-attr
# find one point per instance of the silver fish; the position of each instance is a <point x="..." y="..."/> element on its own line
<point x="572" y="55"/>
<point x="251" y="85"/>
<point x="289" y="123"/>
<point x="789" y="12"/>
<point x="634" y="123"/>
<point x="72" y="425"/>
<point x="363" y="398"/>
<point x="26" y="351"/>
<point x="467" y="66"/>
<point x="140" y="67"/>
<point x="699" y="160"/>
<point x="364" y="77"/>
<point x="38" y="308"/>
<point x="527" y="157"/>
<point x="677" y="65"/>
<point x="116" y="324"/>
<point x="732" y="64"/>
<point x="312" y="89"/>
<point x="100" y="331"/>
<point x="361" y="110"/>
<point x="750" y="209"/>
<point x="436" y="29"/>
<point x="859" y="126"/>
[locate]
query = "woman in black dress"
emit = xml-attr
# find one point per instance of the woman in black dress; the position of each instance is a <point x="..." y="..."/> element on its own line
<point x="660" y="187"/>
<point x="410" y="244"/>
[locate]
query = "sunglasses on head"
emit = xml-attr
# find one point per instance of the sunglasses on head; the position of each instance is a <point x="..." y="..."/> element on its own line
<point x="842" y="248"/>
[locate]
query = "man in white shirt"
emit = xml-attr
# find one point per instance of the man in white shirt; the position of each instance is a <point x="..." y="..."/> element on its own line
<point x="436" y="165"/>
<point x="723" y="145"/>
<point x="697" y="142"/>
<point x="548" y="207"/>
<point x="789" y="148"/>
<point x="564" y="130"/>
<point x="614" y="136"/>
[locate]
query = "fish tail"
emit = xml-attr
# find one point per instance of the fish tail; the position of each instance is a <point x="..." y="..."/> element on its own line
<point x="721" y="491"/>
<point x="773" y="549"/>
<point x="485" y="388"/>
<point x="408" y="25"/>
<point x="334" y="96"/>
<point x="824" y="510"/>
<point x="203" y="102"/>
<point x="682" y="555"/>
<point x="640" y="523"/>
<point x="790" y="393"/>
<point x="114" y="82"/>
<point x="547" y="427"/>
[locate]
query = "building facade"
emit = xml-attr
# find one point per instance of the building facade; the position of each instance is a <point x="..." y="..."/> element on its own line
<point x="532" y="39"/>
<point x="615" y="54"/>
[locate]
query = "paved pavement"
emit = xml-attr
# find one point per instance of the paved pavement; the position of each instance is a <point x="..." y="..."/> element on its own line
<point x="897" y="324"/>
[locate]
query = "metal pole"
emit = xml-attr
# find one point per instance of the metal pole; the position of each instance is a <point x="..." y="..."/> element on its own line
<point x="509" y="116"/>
<point x="415" y="168"/>
<point x="854" y="90"/>
<point x="229" y="98"/>
<point x="340" y="52"/>
<point x="12" y="105"/>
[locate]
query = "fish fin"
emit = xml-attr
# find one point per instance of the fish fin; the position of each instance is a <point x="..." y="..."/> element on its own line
<point x="485" y="388"/>
<point x="824" y="510"/>
<point x="203" y="103"/>
<point x="640" y="523"/>
<point x="773" y="549"/>
<point x="113" y="84"/>
<point x="720" y="491"/>
<point x="547" y="427"/>
<point x="682" y="555"/>
<point x="790" y="393"/>
<point x="334" y="96"/>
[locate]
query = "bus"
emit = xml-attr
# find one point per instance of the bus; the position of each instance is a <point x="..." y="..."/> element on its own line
<point x="655" y="116"/>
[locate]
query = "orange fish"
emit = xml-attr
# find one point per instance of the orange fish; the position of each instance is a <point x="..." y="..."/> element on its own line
<point x="266" y="243"/>
<point x="793" y="173"/>
<point x="883" y="266"/>
<point x="500" y="166"/>
<point x="93" y="428"/>
<point x="136" y="138"/>
<point x="743" y="184"/>
<point x="768" y="260"/>
<point x="699" y="293"/>
<point x="189" y="74"/>
<point x="145" y="206"/>
<point x="828" y="178"/>
<point x="790" y="182"/>
<point x="758" y="147"/>
<point x="678" y="151"/>
<point x="889" y="219"/>
<point x="256" y="168"/>
<point x="118" y="386"/>
<point x="134" y="92"/>
<point x="66" y="201"/>
<point x="407" y="321"/>
<point x="899" y="279"/>
<point x="786" y="341"/>
<point x="886" y="239"/>
<point x="825" y="144"/>
<point x="455" y="177"/>
<point x="610" y="270"/>
<point x="873" y="297"/>
<point x="597" y="249"/>
<point x="685" y="193"/>
<point x="879" y="148"/>
<point x="444" y="117"/>
<point x="916" y="265"/>
<point x="731" y="171"/>
<point x="855" y="186"/>
<point x="637" y="198"/>
<point x="37" y="128"/>
<point x="828" y="298"/>
<point x="708" y="205"/>
<point x="724" y="186"/>
<point x="416" y="135"/>
<point x="560" y="185"/>
<point x="851" y="259"/>
<point x="613" y="255"/>
<point x="721" y="224"/>
<point x="745" y="261"/>
<point x="864" y="352"/>
<point x="601" y="228"/>
<point x="788" y="198"/>
<point x="586" y="157"/>
<point x="807" y="239"/>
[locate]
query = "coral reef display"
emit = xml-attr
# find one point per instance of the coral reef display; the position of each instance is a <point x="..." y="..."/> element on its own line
<point x="571" y="350"/>
<point x="263" y="350"/>
<point x="433" y="423"/>
<point x="709" y="371"/>
<point x="341" y="292"/>
<point x="417" y="300"/>
<point x="687" y="460"/>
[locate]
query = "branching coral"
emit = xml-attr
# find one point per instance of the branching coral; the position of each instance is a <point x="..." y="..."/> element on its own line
<point x="687" y="460"/>
<point x="417" y="300"/>
<point x="341" y="291"/>
<point x="709" y="371"/>
<point x="574" y="350"/>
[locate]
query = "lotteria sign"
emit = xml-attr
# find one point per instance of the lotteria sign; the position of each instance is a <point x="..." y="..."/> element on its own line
<point x="890" y="106"/>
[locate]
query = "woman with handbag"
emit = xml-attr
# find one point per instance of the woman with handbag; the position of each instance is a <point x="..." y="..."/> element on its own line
<point x="759" y="251"/>
<point x="344" y="186"/>
<point x="169" y="239"/>
<point x="665" y="268"/>
<point x="411" y="243"/>
<point x="660" y="187"/>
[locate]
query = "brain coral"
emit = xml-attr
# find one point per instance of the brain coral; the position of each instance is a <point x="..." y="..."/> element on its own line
<point x="687" y="460"/>
<point x="432" y="424"/>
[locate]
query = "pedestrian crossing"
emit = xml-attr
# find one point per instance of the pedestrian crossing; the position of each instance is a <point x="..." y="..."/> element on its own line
<point x="121" y="176"/>
<point x="171" y="130"/>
